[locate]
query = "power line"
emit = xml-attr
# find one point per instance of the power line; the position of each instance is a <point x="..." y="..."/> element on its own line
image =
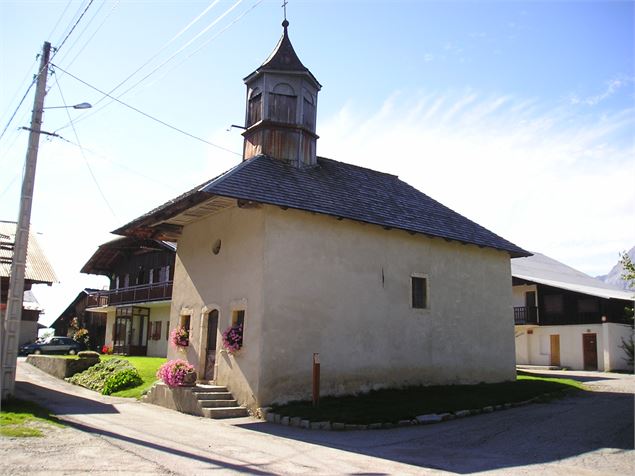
<point x="118" y="164"/>
<point x="183" y="30"/>
<point x="206" y="42"/>
<point x="90" y="170"/>
<point x="60" y="18"/>
<point x="114" y="7"/>
<point x="44" y="68"/>
<point x="146" y="114"/>
<point x="72" y="29"/>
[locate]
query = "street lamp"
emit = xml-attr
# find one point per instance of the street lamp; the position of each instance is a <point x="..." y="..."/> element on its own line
<point x="81" y="105"/>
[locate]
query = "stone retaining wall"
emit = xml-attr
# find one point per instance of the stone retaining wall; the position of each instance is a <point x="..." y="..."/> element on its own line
<point x="60" y="367"/>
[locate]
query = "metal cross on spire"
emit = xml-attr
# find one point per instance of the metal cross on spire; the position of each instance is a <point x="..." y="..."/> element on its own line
<point x="284" y="6"/>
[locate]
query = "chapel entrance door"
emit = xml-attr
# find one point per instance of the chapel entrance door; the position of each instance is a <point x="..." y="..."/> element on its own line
<point x="210" y="352"/>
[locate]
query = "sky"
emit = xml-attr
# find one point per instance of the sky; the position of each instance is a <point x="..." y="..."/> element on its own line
<point x="518" y="115"/>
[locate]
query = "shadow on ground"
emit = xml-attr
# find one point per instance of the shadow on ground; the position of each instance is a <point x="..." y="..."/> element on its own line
<point x="529" y="435"/>
<point x="60" y="403"/>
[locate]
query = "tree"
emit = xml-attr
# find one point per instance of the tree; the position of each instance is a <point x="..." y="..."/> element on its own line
<point x="628" y="275"/>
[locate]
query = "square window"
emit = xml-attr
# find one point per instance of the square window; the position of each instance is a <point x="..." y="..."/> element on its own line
<point x="419" y="287"/>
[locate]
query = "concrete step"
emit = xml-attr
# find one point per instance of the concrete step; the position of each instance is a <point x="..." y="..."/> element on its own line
<point x="217" y="403"/>
<point x="208" y="388"/>
<point x="225" y="412"/>
<point x="213" y="396"/>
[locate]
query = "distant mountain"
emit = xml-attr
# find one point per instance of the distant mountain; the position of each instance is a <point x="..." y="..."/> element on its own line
<point x="615" y="275"/>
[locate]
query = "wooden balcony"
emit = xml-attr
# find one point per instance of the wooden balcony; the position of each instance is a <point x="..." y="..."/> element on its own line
<point x="525" y="315"/>
<point x="131" y="295"/>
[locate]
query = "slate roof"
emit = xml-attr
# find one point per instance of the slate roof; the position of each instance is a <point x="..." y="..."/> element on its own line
<point x="545" y="270"/>
<point x="38" y="269"/>
<point x="333" y="188"/>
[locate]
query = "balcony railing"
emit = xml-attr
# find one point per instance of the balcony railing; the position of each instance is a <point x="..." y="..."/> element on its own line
<point x="130" y="295"/>
<point x="525" y="315"/>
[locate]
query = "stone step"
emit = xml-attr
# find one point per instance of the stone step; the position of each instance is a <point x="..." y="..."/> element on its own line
<point x="208" y="388"/>
<point x="217" y="403"/>
<point x="213" y="395"/>
<point x="225" y="412"/>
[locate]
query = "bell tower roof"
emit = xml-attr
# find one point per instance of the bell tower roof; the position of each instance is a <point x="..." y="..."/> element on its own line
<point x="283" y="58"/>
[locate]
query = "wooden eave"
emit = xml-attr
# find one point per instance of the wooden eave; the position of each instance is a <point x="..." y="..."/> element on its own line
<point x="170" y="225"/>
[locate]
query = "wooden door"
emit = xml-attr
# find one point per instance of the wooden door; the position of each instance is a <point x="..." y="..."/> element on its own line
<point x="555" y="349"/>
<point x="590" y="351"/>
<point x="210" y="352"/>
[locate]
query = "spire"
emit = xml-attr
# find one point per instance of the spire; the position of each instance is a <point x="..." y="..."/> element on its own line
<point x="284" y="58"/>
<point x="281" y="107"/>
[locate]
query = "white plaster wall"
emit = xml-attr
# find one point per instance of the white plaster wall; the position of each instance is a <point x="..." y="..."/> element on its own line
<point x="228" y="281"/>
<point x="110" y="320"/>
<point x="342" y="289"/>
<point x="614" y="355"/>
<point x="159" y="348"/>
<point x="518" y="294"/>
<point x="534" y="349"/>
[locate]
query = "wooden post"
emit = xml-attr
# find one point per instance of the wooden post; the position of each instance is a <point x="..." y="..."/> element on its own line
<point x="316" y="380"/>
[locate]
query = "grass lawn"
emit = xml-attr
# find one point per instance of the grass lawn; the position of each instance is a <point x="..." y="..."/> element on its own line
<point x="22" y="418"/>
<point x="147" y="367"/>
<point x="390" y="405"/>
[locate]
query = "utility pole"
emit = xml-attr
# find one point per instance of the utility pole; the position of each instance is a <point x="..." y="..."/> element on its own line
<point x="11" y="324"/>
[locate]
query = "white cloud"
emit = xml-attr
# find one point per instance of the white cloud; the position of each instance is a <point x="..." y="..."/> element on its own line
<point x="612" y="87"/>
<point x="544" y="178"/>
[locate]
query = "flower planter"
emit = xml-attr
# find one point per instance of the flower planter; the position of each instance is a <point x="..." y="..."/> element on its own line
<point x="189" y="380"/>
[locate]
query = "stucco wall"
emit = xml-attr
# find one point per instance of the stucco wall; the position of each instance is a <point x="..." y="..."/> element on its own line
<point x="110" y="320"/>
<point x="342" y="289"/>
<point x="228" y="281"/>
<point x="518" y="294"/>
<point x="161" y="313"/>
<point x="534" y="349"/>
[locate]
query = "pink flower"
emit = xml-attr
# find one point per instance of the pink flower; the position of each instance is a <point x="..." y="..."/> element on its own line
<point x="173" y="372"/>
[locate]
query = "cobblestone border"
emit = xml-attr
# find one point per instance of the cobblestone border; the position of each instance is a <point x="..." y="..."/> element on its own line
<point x="299" y="422"/>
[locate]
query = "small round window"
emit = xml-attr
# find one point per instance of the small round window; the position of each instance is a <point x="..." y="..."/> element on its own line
<point x="216" y="247"/>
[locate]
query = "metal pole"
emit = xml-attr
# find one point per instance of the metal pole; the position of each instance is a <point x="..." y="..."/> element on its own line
<point x="10" y="340"/>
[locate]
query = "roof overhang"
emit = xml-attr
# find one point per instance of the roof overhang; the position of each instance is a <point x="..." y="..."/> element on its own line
<point x="580" y="288"/>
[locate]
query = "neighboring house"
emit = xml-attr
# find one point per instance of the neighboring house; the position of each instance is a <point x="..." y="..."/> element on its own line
<point x="94" y="322"/>
<point x="29" y="325"/>
<point x="566" y="318"/>
<point x="311" y="255"/>
<point x="137" y="305"/>
<point x="38" y="271"/>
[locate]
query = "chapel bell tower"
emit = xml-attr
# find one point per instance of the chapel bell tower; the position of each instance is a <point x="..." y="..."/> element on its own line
<point x="281" y="108"/>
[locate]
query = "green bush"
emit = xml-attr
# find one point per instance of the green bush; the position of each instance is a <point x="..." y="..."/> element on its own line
<point x="108" y="376"/>
<point x="88" y="354"/>
<point x="120" y="380"/>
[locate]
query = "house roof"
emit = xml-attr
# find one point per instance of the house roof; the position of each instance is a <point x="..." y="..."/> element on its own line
<point x="107" y="255"/>
<point x="544" y="270"/>
<point x="331" y="188"/>
<point x="70" y="309"/>
<point x="30" y="303"/>
<point x="38" y="269"/>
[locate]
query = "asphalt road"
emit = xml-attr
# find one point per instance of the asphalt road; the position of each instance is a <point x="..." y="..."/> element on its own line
<point x="589" y="433"/>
